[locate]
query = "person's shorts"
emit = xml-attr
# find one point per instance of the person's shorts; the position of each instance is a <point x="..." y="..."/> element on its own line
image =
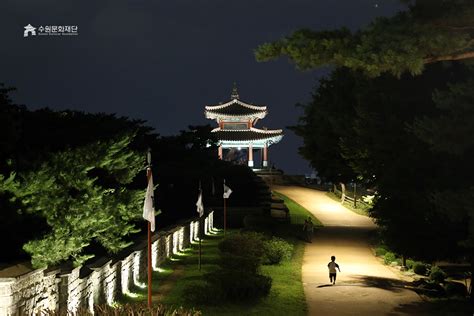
<point x="332" y="275"/>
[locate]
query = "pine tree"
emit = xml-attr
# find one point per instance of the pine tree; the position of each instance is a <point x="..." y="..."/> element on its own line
<point x="82" y="194"/>
<point x="429" y="31"/>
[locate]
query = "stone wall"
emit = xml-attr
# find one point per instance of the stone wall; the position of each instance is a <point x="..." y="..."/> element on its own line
<point x="103" y="281"/>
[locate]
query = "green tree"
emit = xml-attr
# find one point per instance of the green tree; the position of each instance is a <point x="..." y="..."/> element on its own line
<point x="10" y="127"/>
<point x="325" y="119"/>
<point x="367" y="123"/>
<point x="83" y="196"/>
<point x="449" y="133"/>
<point x="416" y="147"/>
<point x="28" y="137"/>
<point x="429" y="31"/>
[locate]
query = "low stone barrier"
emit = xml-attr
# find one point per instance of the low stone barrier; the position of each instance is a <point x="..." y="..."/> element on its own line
<point x="103" y="281"/>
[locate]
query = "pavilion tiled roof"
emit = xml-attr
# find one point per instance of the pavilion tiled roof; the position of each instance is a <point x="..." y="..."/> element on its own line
<point x="235" y="108"/>
<point x="252" y="134"/>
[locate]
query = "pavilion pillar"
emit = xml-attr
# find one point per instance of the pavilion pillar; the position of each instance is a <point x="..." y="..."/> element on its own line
<point x="219" y="151"/>
<point x="250" y="155"/>
<point x="265" y="156"/>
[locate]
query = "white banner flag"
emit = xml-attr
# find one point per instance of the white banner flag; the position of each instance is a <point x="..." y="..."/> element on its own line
<point x="227" y="191"/>
<point x="200" y="205"/>
<point x="148" y="207"/>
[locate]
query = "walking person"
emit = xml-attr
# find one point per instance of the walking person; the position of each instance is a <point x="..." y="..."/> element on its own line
<point x="332" y="266"/>
<point x="309" y="229"/>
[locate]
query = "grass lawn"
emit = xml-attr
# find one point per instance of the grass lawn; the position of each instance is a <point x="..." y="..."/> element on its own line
<point x="348" y="205"/>
<point x="286" y="296"/>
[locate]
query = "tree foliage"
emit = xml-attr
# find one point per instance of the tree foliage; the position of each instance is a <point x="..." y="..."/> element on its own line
<point x="28" y="137"/>
<point x="409" y="137"/>
<point x="324" y="120"/>
<point x="368" y="126"/>
<point x="429" y="31"/>
<point x="83" y="196"/>
<point x="450" y="134"/>
<point x="71" y="184"/>
<point x="66" y="182"/>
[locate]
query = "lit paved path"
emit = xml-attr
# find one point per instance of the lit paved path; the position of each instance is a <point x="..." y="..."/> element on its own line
<point x="365" y="286"/>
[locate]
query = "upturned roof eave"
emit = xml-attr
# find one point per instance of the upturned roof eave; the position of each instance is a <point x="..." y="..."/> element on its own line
<point x="239" y="102"/>
<point x="215" y="116"/>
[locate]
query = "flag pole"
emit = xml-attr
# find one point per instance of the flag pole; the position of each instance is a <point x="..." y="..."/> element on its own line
<point x="225" y="216"/>
<point x="200" y="252"/>
<point x="200" y="230"/>
<point x="149" y="265"/>
<point x="227" y="192"/>
<point x="148" y="175"/>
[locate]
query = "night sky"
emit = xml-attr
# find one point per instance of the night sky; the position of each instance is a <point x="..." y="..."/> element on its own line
<point x="163" y="61"/>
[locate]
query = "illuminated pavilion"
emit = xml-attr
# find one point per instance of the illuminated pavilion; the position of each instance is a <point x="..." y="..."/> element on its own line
<point x="237" y="131"/>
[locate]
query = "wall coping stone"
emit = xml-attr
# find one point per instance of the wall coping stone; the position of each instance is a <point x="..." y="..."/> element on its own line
<point x="66" y="285"/>
<point x="8" y="280"/>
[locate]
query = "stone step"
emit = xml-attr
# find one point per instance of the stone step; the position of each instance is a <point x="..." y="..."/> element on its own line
<point x="279" y="214"/>
<point x="279" y="206"/>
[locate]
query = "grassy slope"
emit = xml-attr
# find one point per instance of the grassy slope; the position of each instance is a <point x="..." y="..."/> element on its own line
<point x="286" y="296"/>
<point x="348" y="205"/>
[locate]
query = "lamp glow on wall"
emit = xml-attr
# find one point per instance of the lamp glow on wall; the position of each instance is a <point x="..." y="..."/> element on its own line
<point x="167" y="246"/>
<point x="181" y="239"/>
<point x="90" y="303"/>
<point x="136" y="270"/>
<point x="110" y="286"/>
<point x="196" y="230"/>
<point x="74" y="290"/>
<point x="206" y="225"/>
<point x="125" y="276"/>
<point x="175" y="242"/>
<point x="210" y="219"/>
<point x="154" y="254"/>
<point x="191" y="232"/>
<point x="94" y="280"/>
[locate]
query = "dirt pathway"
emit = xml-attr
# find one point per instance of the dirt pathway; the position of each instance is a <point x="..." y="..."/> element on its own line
<point x="365" y="286"/>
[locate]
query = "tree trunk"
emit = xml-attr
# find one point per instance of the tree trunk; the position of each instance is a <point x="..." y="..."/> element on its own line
<point x="404" y="261"/>
<point x="459" y="56"/>
<point x="355" y="194"/>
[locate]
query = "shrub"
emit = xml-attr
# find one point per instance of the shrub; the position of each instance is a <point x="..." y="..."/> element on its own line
<point x="238" y="286"/>
<point x="238" y="279"/>
<point x="455" y="289"/>
<point x="419" y="268"/>
<point x="276" y="250"/>
<point x="434" y="289"/>
<point x="369" y="199"/>
<point x="243" y="244"/>
<point x="242" y="252"/>
<point x="247" y="264"/>
<point x="203" y="293"/>
<point x="437" y="274"/>
<point x="410" y="263"/>
<point x="389" y="257"/>
<point x="380" y="251"/>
